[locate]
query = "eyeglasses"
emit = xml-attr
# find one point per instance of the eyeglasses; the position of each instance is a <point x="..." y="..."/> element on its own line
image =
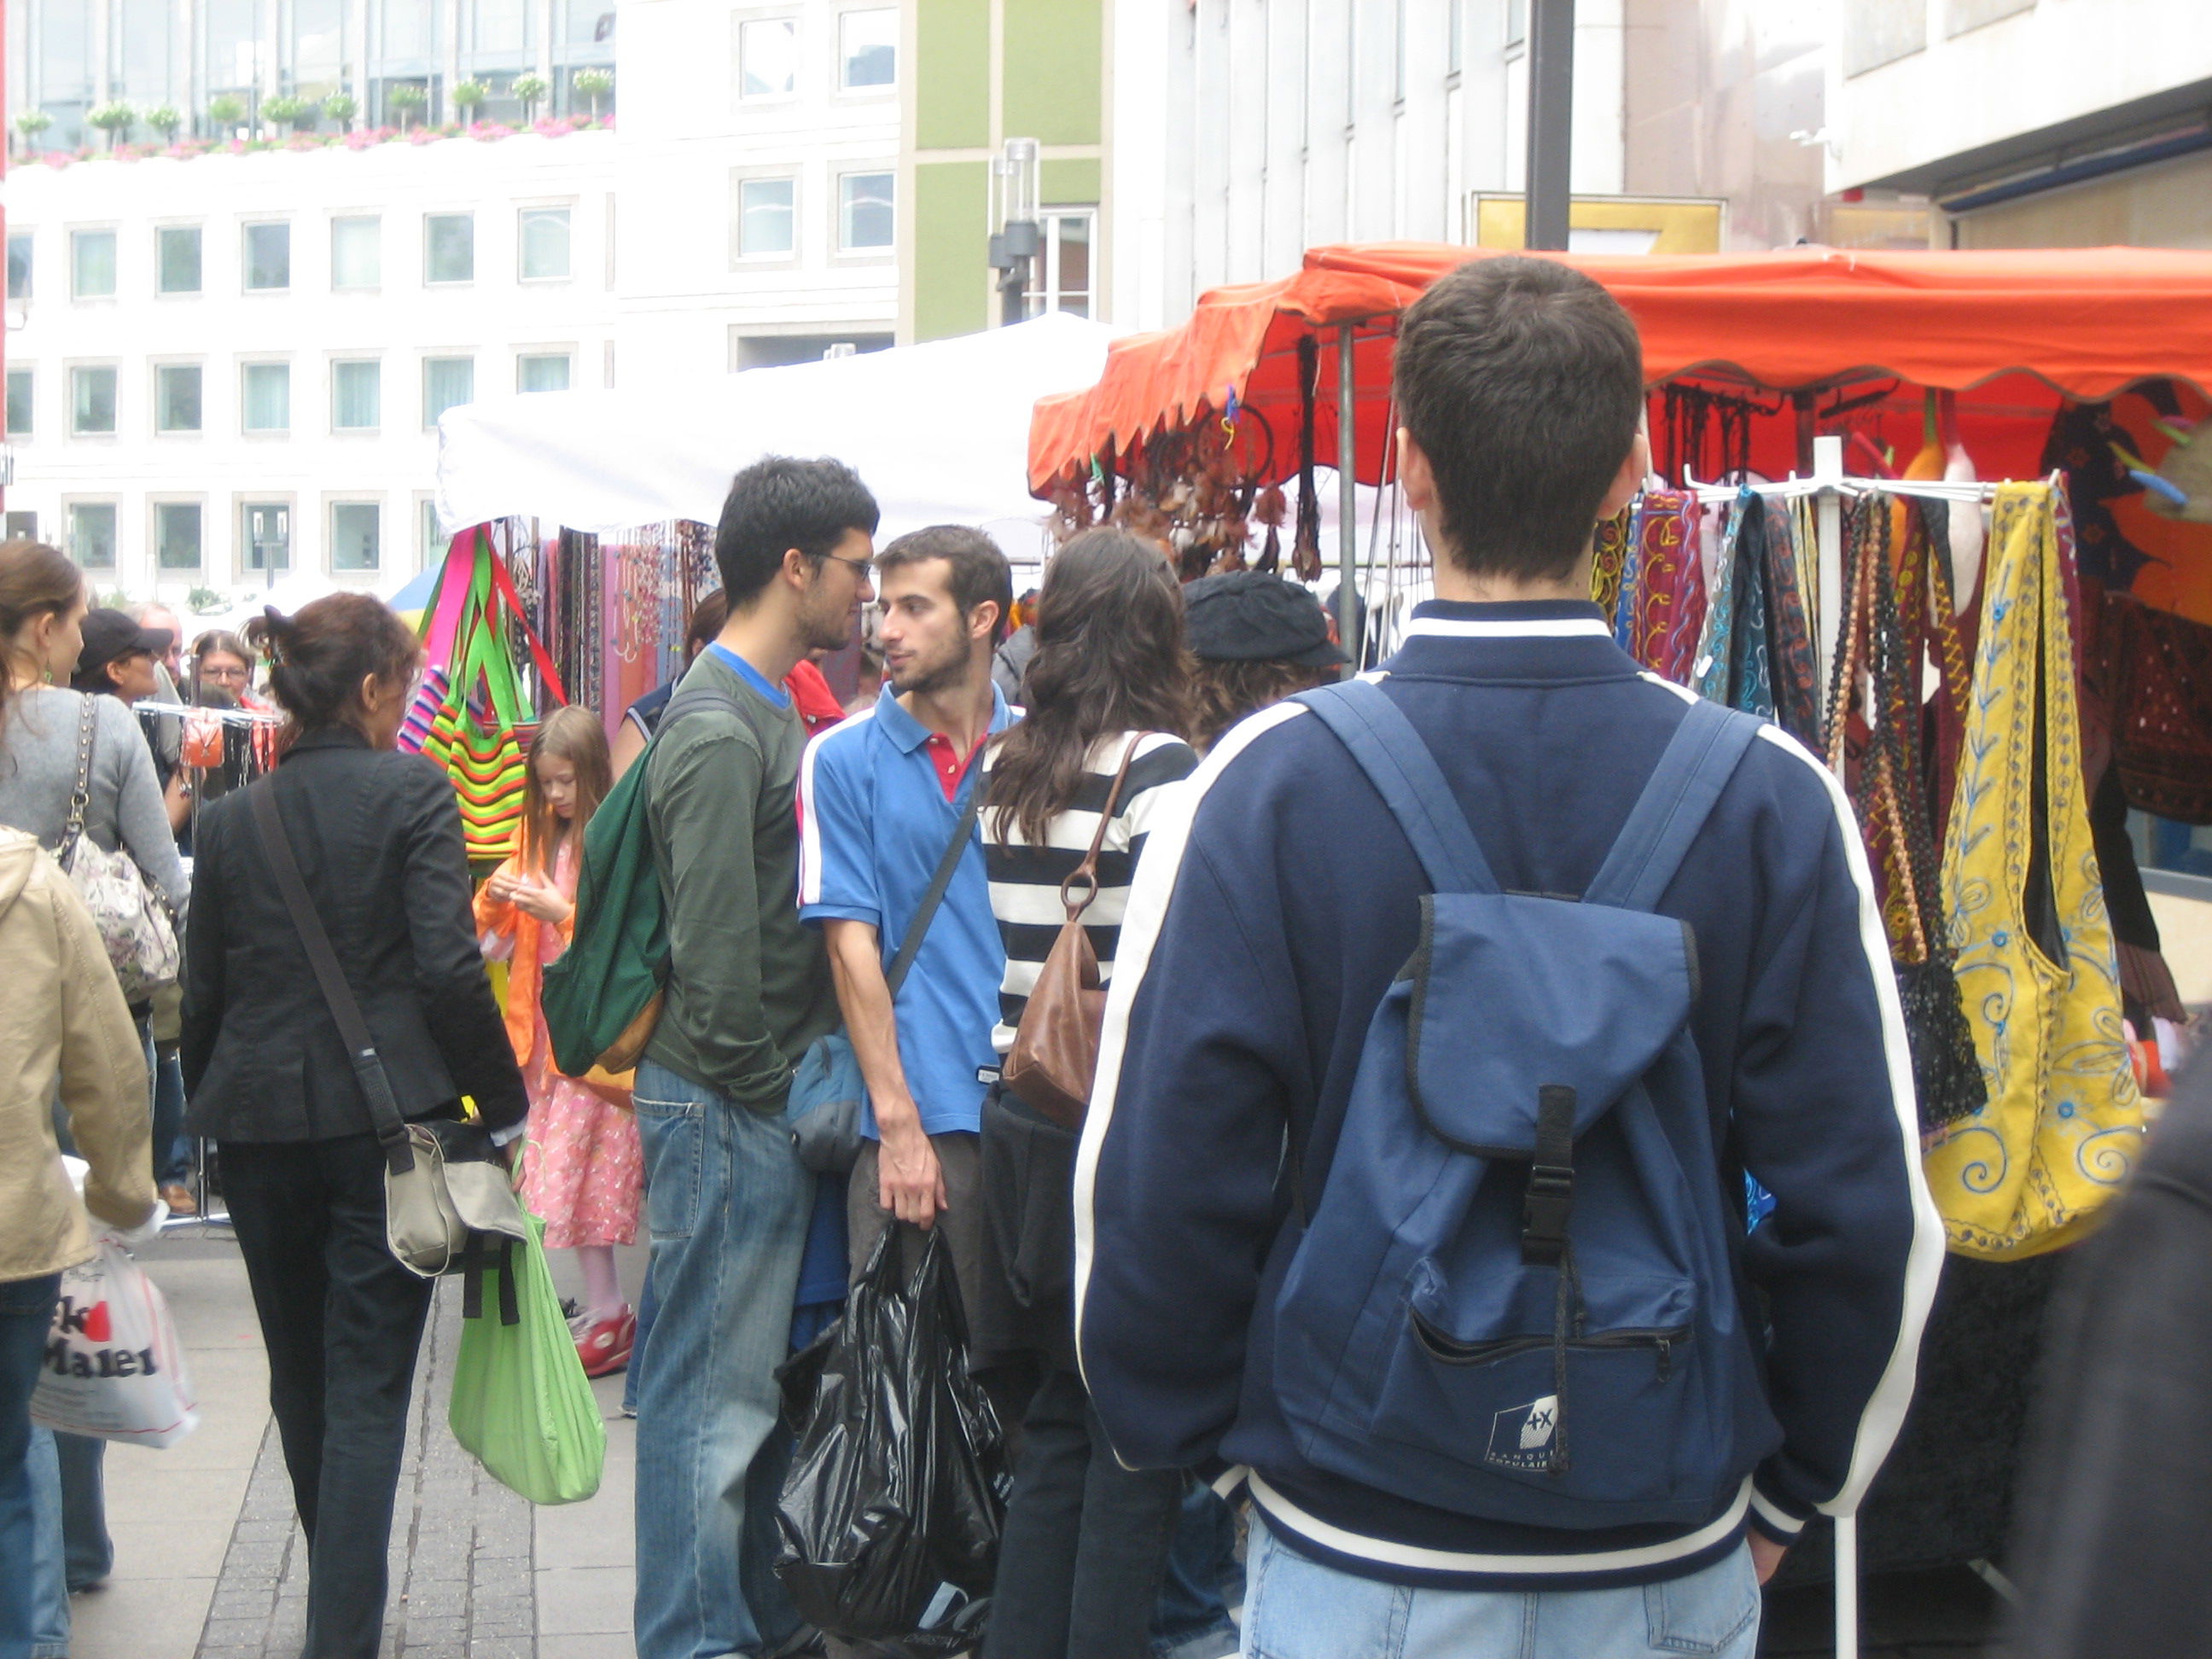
<point x="866" y="567"/>
<point x="212" y="672"/>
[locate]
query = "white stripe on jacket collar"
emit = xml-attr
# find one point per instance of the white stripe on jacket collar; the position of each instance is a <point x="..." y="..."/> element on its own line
<point x="1528" y="628"/>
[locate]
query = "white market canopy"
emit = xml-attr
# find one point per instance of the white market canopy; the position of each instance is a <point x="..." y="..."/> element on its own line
<point x="939" y="432"/>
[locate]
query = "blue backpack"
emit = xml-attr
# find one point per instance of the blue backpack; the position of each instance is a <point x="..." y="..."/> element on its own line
<point x="1514" y="1297"/>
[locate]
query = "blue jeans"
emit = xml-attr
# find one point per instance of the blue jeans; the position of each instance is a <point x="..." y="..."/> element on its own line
<point x="172" y="1155"/>
<point x="1296" y="1608"/>
<point x="26" y="1313"/>
<point x="727" y="1202"/>
<point x="1192" y="1621"/>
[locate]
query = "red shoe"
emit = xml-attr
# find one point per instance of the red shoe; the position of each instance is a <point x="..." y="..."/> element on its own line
<point x="604" y="1349"/>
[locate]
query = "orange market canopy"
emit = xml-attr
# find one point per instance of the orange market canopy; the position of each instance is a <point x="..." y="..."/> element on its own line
<point x="2016" y="330"/>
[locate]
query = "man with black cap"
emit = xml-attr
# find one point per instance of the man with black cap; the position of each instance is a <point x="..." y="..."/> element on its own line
<point x="1258" y="639"/>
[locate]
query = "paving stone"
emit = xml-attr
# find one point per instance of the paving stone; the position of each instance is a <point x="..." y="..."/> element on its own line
<point x="463" y="1563"/>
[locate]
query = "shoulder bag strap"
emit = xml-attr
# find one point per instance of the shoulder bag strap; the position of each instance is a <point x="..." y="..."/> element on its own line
<point x="367" y="1065"/>
<point x="1087" y="872"/>
<point x="955" y="850"/>
<point x="81" y="799"/>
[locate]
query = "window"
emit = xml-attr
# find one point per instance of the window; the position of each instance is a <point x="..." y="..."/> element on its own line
<point x="864" y="210"/>
<point x="434" y="544"/>
<point x="268" y="396"/>
<point x="449" y="248"/>
<point x="268" y="258"/>
<point x="91" y="401"/>
<point x="357" y="536"/>
<point x="19" y="266"/>
<point x="356" y="396"/>
<point x="356" y="252"/>
<point x="22" y="527"/>
<point x="1455" y="37"/>
<point x="265" y="535"/>
<point x="447" y="382"/>
<point x="19" y="403"/>
<point x="177" y="398"/>
<point x="176" y="258"/>
<point x="177" y="535"/>
<point x="1063" y="283"/>
<point x="544" y="237"/>
<point x="92" y="264"/>
<point x="867" y="48"/>
<point x="542" y="371"/>
<point x="92" y="534"/>
<point x="767" y="57"/>
<point x="1517" y="22"/>
<point x="767" y="217"/>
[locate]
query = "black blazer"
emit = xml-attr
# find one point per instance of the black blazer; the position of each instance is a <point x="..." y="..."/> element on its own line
<point x="378" y="837"/>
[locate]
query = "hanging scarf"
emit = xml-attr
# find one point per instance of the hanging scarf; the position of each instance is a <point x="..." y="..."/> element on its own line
<point x="1670" y="588"/>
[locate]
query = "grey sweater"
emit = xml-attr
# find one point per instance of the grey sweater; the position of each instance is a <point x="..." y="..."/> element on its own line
<point x="38" y="775"/>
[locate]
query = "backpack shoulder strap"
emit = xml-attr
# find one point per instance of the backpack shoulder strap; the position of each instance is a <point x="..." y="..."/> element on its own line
<point x="1699" y="761"/>
<point x="1405" y="772"/>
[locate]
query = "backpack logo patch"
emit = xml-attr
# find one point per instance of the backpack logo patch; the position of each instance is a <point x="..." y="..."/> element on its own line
<point x="1521" y="1436"/>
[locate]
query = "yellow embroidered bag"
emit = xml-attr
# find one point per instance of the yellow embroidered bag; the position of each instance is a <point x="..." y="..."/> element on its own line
<point x="2036" y="961"/>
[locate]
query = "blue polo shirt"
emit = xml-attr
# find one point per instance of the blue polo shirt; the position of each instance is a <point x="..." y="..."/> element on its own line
<point x="874" y="815"/>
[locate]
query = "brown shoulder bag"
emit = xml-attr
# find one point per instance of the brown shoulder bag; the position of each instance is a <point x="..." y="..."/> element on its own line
<point x="1055" y="1052"/>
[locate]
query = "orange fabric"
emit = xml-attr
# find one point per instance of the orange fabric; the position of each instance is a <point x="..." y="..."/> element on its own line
<point x="504" y="918"/>
<point x="2087" y="320"/>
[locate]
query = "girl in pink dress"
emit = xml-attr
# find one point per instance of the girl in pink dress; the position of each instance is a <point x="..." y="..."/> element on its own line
<point x="582" y="1167"/>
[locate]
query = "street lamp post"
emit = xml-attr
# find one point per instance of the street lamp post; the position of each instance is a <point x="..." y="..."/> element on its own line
<point x="1015" y="244"/>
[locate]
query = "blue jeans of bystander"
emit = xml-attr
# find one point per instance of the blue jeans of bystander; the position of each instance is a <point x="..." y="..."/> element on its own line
<point x="727" y="1202"/>
<point x="26" y="1312"/>
<point x="1296" y="1608"/>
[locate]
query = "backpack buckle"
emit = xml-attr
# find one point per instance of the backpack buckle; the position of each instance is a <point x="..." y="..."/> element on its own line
<point x="1550" y="1193"/>
<point x="1544" y="1210"/>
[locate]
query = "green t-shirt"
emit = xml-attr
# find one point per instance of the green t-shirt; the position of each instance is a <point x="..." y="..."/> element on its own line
<point x="748" y="986"/>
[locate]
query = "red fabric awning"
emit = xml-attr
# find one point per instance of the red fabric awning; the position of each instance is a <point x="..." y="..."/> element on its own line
<point x="2087" y="321"/>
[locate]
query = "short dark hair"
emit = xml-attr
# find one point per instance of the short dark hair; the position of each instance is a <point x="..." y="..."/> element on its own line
<point x="1522" y="381"/>
<point x="778" y="503"/>
<point x="980" y="573"/>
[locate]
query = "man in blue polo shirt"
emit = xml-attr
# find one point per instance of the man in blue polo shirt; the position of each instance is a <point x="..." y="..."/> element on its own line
<point x="880" y="798"/>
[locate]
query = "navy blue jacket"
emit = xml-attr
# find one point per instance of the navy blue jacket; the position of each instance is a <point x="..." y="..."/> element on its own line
<point x="1272" y="911"/>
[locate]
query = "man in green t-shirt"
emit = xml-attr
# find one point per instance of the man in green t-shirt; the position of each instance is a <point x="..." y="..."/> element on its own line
<point x="748" y="989"/>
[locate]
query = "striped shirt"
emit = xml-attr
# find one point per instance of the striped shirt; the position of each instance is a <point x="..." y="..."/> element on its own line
<point x="1025" y="878"/>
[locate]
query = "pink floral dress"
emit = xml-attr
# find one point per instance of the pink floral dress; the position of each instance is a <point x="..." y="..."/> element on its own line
<point x="583" y="1171"/>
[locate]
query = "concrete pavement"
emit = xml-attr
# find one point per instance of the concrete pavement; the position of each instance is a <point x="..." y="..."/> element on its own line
<point x="211" y="1565"/>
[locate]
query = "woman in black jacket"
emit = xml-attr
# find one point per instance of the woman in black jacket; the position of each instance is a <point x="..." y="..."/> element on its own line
<point x="377" y="836"/>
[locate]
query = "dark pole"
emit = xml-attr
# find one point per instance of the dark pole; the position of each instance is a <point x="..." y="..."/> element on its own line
<point x="1551" y="120"/>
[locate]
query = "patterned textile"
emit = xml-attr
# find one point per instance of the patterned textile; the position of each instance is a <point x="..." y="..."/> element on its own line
<point x="1670" y="590"/>
<point x="2155" y="670"/>
<point x="1733" y="666"/>
<point x="2035" y="952"/>
<point x="1612" y="546"/>
<point x="1794" y="670"/>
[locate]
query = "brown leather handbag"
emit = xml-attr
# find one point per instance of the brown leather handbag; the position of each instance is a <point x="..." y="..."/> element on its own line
<point x="1055" y="1052"/>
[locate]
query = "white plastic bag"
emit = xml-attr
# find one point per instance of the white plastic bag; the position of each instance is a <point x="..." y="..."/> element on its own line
<point x="114" y="1369"/>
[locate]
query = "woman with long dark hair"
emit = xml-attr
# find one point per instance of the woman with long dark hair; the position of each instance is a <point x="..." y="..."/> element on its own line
<point x="377" y="836"/>
<point x="1108" y="699"/>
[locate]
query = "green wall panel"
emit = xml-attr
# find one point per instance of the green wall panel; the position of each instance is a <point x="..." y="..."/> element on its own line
<point x="1054" y="71"/>
<point x="1069" y="184"/>
<point x="951" y="242"/>
<point x="952" y="74"/>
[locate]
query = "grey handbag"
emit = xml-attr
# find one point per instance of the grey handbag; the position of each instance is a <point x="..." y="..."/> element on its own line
<point x="448" y="1203"/>
<point x="826" y="1089"/>
<point x="135" y="924"/>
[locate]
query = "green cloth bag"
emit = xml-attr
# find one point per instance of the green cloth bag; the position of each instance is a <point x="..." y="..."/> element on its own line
<point x="600" y="995"/>
<point x="522" y="1406"/>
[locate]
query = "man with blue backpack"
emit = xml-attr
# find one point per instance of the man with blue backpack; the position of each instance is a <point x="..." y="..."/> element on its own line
<point x="1455" y="1005"/>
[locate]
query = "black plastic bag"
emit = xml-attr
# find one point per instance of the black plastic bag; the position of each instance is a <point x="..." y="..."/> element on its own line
<point x="898" y="1486"/>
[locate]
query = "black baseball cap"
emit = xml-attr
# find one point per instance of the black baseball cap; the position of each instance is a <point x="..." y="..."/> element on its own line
<point x="1250" y="616"/>
<point x="110" y="636"/>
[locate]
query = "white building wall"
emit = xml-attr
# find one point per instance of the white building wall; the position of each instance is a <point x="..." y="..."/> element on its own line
<point x="1958" y="83"/>
<point x="1295" y="123"/>
<point x="685" y="287"/>
<point x="493" y="318"/>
